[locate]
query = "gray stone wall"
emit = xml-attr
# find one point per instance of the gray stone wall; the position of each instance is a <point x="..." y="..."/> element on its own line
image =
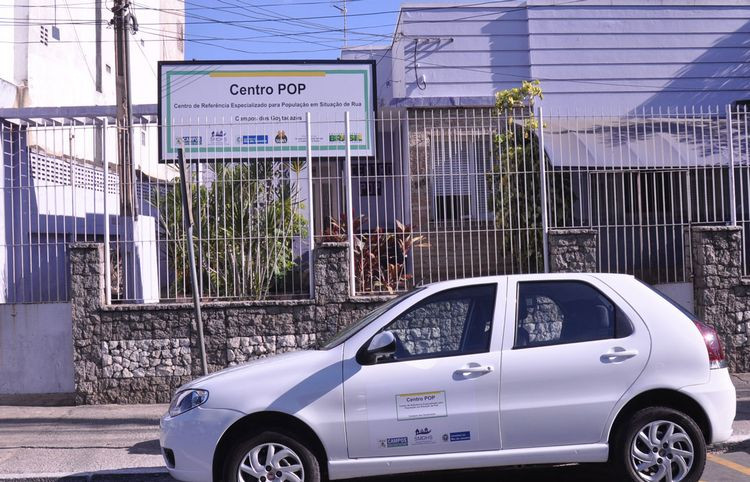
<point x="544" y="321"/>
<point x="573" y="250"/>
<point x="142" y="353"/>
<point x="722" y="294"/>
<point x="433" y="328"/>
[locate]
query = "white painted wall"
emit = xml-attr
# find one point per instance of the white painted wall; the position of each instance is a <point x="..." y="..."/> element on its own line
<point x="682" y="293"/>
<point x="594" y="56"/>
<point x="36" y="348"/>
<point x="63" y="72"/>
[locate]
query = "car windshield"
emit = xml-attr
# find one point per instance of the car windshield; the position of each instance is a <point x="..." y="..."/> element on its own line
<point x="350" y="330"/>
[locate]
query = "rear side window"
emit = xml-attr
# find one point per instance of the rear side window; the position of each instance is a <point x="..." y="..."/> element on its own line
<point x="560" y="312"/>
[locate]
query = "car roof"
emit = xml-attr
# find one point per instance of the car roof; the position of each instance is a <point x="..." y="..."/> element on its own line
<point x="606" y="277"/>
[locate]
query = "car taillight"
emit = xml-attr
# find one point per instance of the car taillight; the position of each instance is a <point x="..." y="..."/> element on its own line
<point x="713" y="345"/>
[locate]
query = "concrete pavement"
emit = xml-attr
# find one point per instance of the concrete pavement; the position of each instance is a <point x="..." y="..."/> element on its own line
<point x="95" y="442"/>
<point x="120" y="443"/>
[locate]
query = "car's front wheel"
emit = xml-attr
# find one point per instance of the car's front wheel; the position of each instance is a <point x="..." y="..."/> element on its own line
<point x="271" y="456"/>
<point x="659" y="444"/>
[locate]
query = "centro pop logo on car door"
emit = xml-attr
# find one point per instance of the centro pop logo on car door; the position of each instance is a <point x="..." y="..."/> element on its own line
<point x="411" y="406"/>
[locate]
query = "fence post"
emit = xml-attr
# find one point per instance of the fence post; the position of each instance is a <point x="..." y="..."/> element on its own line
<point x="349" y="203"/>
<point x="732" y="193"/>
<point x="187" y="220"/>
<point x="311" y="221"/>
<point x="543" y="193"/>
<point x="107" y="259"/>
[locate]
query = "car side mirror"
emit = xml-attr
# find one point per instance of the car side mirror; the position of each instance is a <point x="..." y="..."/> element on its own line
<point x="382" y="345"/>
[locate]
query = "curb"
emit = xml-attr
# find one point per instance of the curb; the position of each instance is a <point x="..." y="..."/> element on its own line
<point x="723" y="447"/>
<point x="124" y="475"/>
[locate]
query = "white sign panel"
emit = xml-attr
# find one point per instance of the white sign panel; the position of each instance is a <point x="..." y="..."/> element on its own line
<point x="412" y="406"/>
<point x="258" y="110"/>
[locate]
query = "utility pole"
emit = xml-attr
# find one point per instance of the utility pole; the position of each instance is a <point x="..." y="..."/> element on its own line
<point x="342" y="9"/>
<point x="124" y="21"/>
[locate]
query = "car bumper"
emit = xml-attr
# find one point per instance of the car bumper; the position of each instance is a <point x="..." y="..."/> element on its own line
<point x="192" y="438"/>
<point x="719" y="399"/>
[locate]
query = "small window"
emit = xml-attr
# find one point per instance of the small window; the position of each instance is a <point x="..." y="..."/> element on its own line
<point x="559" y="312"/>
<point x="453" y="322"/>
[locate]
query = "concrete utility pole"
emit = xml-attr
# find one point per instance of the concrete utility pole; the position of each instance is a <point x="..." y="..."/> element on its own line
<point x="124" y="21"/>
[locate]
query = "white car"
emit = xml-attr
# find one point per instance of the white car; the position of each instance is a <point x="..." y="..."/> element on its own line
<point x="483" y="372"/>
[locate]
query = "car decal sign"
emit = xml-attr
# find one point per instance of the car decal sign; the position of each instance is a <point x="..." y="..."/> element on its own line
<point x="411" y="406"/>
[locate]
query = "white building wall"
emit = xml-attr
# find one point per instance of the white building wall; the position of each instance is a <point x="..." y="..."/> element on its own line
<point x="64" y="72"/>
<point x="628" y="56"/>
<point x="612" y="56"/>
<point x="28" y="331"/>
<point x="469" y="51"/>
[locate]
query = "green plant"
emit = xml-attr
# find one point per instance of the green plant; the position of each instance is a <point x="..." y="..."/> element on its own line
<point x="515" y="177"/>
<point x="380" y="257"/>
<point x="246" y="221"/>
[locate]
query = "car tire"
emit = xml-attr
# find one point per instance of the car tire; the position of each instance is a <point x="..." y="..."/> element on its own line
<point x="660" y="439"/>
<point x="295" y="452"/>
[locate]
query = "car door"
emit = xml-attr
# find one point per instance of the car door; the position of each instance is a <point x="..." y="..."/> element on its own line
<point x="440" y="391"/>
<point x="572" y="348"/>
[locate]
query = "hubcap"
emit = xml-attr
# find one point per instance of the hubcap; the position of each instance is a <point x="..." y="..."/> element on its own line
<point x="662" y="450"/>
<point x="271" y="462"/>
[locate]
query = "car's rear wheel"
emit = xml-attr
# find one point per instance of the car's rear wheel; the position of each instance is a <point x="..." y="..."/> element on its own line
<point x="272" y="456"/>
<point x="659" y="444"/>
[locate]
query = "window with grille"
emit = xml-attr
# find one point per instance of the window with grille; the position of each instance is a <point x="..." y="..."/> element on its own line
<point x="461" y="162"/>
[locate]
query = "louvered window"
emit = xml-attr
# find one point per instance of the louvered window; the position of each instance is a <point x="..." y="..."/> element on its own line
<point x="461" y="162"/>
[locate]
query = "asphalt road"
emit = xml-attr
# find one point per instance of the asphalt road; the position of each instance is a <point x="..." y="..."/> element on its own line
<point x="732" y="466"/>
<point x="110" y="442"/>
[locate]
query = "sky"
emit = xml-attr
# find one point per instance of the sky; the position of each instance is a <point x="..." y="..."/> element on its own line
<point x="284" y="29"/>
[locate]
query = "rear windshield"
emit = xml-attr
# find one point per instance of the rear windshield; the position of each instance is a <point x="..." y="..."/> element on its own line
<point x="684" y="310"/>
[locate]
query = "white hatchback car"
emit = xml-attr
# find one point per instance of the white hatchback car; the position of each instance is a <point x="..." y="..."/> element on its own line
<point x="509" y="370"/>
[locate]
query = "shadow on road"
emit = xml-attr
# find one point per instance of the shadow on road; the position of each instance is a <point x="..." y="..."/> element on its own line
<point x="149" y="447"/>
<point x="567" y="473"/>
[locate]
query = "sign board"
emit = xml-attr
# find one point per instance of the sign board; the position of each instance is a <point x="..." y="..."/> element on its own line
<point x="254" y="110"/>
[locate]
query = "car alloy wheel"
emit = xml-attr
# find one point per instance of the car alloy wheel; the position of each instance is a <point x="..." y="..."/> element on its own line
<point x="657" y="444"/>
<point x="662" y="450"/>
<point x="273" y="455"/>
<point x="271" y="462"/>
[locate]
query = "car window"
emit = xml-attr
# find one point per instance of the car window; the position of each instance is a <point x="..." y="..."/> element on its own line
<point x="353" y="328"/>
<point x="452" y="322"/>
<point x="558" y="312"/>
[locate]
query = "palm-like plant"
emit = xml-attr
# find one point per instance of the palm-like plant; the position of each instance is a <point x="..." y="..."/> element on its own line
<point x="247" y="219"/>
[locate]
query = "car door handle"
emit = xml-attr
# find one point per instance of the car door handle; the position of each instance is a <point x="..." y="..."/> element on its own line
<point x="475" y="369"/>
<point x="618" y="354"/>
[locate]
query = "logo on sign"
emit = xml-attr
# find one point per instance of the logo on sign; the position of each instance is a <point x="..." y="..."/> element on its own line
<point x="423" y="436"/>
<point x="281" y="138"/>
<point x="190" y="140"/>
<point x="396" y="442"/>
<point x="252" y="140"/>
<point x="218" y="137"/>
<point x="460" y="436"/>
<point x="340" y="137"/>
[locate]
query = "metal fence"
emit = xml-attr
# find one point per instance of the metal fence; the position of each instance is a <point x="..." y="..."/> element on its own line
<point x="450" y="193"/>
<point x="641" y="181"/>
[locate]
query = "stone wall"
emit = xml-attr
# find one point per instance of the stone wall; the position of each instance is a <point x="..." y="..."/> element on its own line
<point x="573" y="250"/>
<point x="142" y="353"/>
<point x="722" y="293"/>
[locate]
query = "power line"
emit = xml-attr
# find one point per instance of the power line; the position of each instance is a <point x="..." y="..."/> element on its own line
<point x="319" y="17"/>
